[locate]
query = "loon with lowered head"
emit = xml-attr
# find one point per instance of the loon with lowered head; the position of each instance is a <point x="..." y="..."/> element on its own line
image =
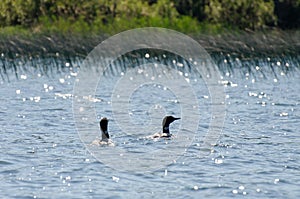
<point x="165" y="125"/>
<point x="105" y="140"/>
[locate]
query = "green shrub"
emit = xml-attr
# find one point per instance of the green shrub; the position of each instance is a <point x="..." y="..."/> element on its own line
<point x="243" y="13"/>
<point x="18" y="12"/>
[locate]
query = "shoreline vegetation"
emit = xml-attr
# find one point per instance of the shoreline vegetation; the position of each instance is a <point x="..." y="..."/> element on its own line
<point x="270" y="43"/>
<point x="73" y="28"/>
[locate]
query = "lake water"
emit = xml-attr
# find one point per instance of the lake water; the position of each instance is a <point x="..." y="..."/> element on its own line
<point x="256" y="156"/>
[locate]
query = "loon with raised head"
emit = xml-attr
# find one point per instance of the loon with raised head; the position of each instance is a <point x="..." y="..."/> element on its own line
<point x="165" y="125"/>
<point x="104" y="134"/>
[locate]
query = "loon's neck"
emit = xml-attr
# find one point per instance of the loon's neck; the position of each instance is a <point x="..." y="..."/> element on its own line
<point x="105" y="135"/>
<point x="166" y="129"/>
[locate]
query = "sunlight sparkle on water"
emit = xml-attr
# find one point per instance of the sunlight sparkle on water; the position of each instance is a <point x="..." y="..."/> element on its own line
<point x="180" y="65"/>
<point x="74" y="74"/>
<point x="218" y="161"/>
<point x="115" y="179"/>
<point x="241" y="187"/>
<point x="23" y="77"/>
<point x="61" y="80"/>
<point x="140" y="71"/>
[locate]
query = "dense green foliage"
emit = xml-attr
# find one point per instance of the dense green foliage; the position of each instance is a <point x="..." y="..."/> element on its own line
<point x="111" y="16"/>
<point x="243" y="13"/>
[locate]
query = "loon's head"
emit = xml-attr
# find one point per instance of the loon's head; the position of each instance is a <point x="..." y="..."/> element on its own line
<point x="167" y="121"/>
<point x="103" y="128"/>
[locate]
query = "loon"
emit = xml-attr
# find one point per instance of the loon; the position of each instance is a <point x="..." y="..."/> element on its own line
<point x="165" y="125"/>
<point x="104" y="134"/>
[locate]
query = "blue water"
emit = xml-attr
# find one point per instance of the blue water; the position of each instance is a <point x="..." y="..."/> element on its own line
<point x="256" y="156"/>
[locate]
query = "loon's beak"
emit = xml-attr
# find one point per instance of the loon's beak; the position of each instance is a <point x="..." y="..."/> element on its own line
<point x="177" y="118"/>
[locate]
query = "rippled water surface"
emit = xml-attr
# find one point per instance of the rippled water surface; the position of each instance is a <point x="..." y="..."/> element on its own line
<point x="256" y="156"/>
